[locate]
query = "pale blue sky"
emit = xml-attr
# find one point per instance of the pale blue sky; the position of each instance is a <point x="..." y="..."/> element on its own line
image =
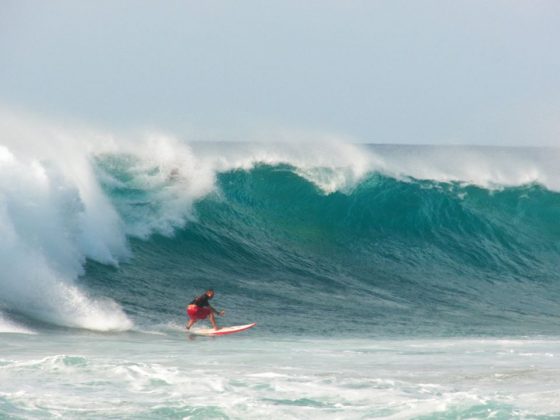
<point x="469" y="71"/>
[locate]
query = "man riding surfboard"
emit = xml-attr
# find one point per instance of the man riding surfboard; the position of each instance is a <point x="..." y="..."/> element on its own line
<point x="200" y="308"/>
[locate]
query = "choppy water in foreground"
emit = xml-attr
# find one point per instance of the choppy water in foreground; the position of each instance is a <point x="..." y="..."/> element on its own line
<point x="134" y="375"/>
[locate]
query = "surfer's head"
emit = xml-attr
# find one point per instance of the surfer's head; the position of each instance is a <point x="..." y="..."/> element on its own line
<point x="210" y="293"/>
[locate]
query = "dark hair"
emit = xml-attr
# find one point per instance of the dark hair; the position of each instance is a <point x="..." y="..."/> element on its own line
<point x="210" y="290"/>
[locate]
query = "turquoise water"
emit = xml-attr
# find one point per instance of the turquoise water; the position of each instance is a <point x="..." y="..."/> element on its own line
<point x="413" y="256"/>
<point x="398" y="282"/>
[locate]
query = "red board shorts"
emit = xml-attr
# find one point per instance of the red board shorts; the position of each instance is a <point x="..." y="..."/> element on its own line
<point x="198" y="312"/>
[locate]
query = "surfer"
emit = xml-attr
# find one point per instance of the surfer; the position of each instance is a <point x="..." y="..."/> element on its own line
<point x="199" y="308"/>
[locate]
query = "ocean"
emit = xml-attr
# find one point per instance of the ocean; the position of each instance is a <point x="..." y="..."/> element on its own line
<point x="386" y="281"/>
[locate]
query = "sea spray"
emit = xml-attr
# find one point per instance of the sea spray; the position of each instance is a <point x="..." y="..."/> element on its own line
<point x="53" y="215"/>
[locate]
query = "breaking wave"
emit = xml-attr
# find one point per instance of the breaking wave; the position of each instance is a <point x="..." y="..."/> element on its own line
<point x="100" y="232"/>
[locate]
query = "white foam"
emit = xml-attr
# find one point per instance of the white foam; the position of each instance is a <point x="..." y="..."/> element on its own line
<point x="281" y="378"/>
<point x="481" y="166"/>
<point x="336" y="166"/>
<point x="53" y="216"/>
<point x="172" y="177"/>
<point x="8" y="326"/>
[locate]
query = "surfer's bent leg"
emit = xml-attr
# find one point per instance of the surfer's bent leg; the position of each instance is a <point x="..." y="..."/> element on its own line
<point x="213" y="320"/>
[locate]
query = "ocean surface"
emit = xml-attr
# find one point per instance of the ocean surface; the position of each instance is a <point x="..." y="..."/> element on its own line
<point x="386" y="281"/>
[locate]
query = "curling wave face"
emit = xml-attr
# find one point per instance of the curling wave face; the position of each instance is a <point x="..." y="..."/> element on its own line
<point x="99" y="232"/>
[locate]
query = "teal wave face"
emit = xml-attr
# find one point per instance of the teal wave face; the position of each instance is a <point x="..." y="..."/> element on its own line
<point x="387" y="256"/>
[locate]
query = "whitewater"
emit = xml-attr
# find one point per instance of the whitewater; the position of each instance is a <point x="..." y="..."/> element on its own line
<point x="386" y="281"/>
